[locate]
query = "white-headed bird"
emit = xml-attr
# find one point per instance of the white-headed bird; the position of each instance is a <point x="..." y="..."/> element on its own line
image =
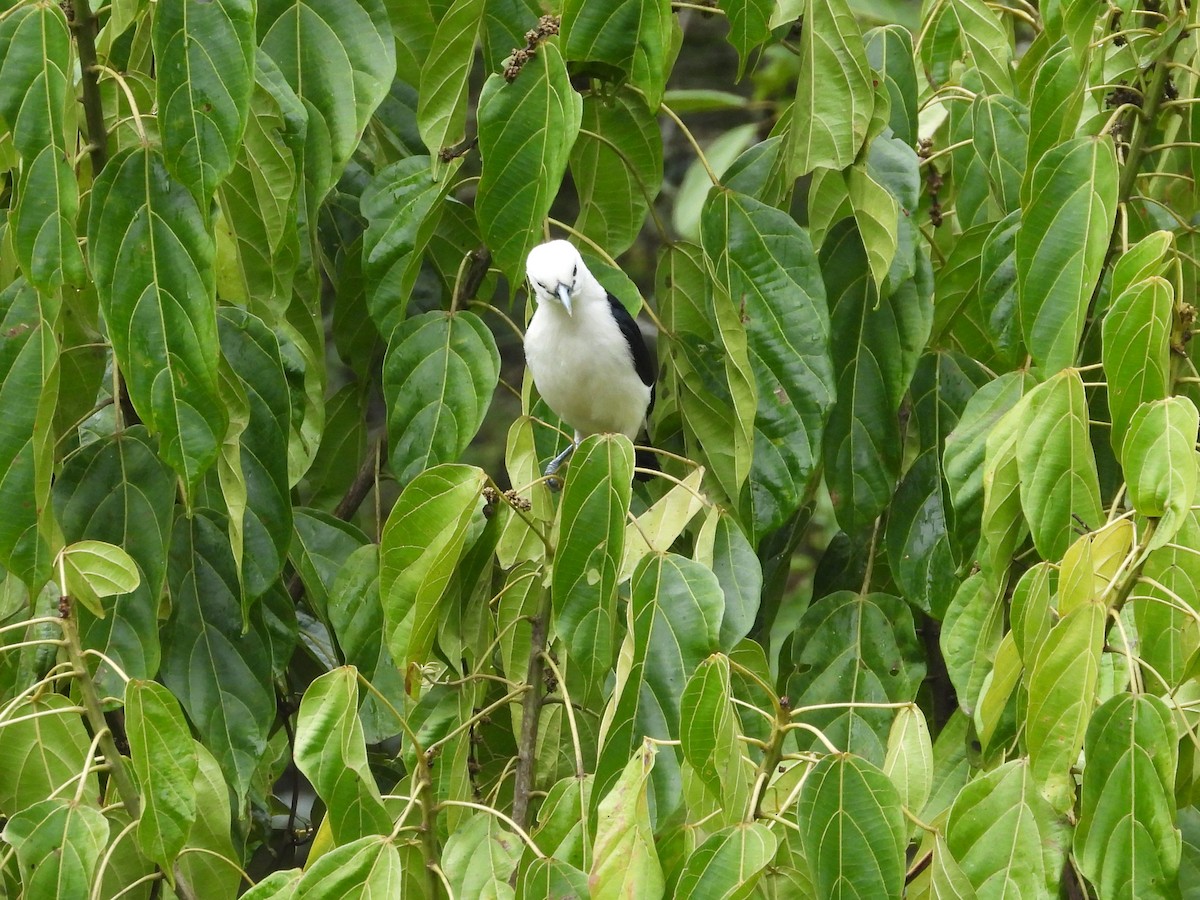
<point x="585" y="352"/>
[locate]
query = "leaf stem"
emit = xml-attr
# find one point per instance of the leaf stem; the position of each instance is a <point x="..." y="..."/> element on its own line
<point x="687" y="133"/>
<point x="770" y="762"/>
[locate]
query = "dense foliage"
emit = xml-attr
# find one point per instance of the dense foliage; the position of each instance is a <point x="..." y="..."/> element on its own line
<point x="914" y="608"/>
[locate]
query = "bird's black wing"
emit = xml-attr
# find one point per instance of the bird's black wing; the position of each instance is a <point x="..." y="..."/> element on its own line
<point x="642" y="361"/>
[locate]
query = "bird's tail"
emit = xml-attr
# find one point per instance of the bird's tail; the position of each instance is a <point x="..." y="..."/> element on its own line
<point x="645" y="459"/>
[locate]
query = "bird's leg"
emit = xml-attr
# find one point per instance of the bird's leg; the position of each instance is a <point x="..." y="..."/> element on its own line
<point x="554" y="482"/>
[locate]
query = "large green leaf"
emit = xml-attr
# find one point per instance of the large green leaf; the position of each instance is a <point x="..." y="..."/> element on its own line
<point x="164" y="760"/>
<point x="332" y="754"/>
<point x="1056" y="465"/>
<point x="764" y="263"/>
<point x="442" y="93"/>
<point x="91" y="570"/>
<point x="209" y="858"/>
<point x="43" y="752"/>
<point x="624" y="859"/>
<point x="204" y="75"/>
<point x="151" y="255"/>
<point x="853" y="829"/>
<point x="875" y="346"/>
<point x="28" y="391"/>
<point x="252" y="352"/>
<point x="627" y="38"/>
<point x="258" y="242"/>
<point x="369" y="868"/>
<point x="526" y="129"/>
<point x="970" y="32"/>
<point x="1060" y="249"/>
<point x="439" y="375"/>
<point x="909" y="760"/>
<point x="219" y="673"/>
<point x="1062" y="692"/>
<point x="854" y="648"/>
<point x="1000" y="817"/>
<point x="617" y="167"/>
<point x="674" y="623"/>
<point x="1056" y="99"/>
<point x="1168" y="632"/>
<point x="118" y="490"/>
<point x="422" y="543"/>
<point x="728" y="863"/>
<point x="1159" y="459"/>
<point x="835" y="94"/>
<point x="1126" y="842"/>
<point x="35" y="72"/>
<point x="708" y="734"/>
<point x="339" y="57"/>
<point x="748" y="27"/>
<point x="1137" y="350"/>
<point x="998" y="290"/>
<point x="1001" y="130"/>
<point x="890" y="53"/>
<point x="591" y="543"/>
<point x="480" y="855"/>
<point x="971" y="632"/>
<point x="58" y="844"/>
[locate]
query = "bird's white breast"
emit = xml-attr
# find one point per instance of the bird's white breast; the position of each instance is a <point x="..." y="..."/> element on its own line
<point x="584" y="370"/>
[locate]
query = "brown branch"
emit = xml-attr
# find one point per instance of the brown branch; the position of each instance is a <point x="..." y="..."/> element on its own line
<point x="83" y="23"/>
<point x="531" y="712"/>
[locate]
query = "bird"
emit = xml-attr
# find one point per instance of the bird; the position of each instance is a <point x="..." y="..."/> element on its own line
<point x="586" y="353"/>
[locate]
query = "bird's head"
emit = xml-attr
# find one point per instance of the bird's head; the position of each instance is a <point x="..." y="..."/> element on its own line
<point x="556" y="272"/>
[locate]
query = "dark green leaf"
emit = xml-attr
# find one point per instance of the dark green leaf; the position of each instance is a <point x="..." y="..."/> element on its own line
<point x="526" y="129"/>
<point x="630" y="38"/>
<point x="152" y="255"/>
<point x="438" y="379"/>
<point x="204" y="75"/>
<point x="1001" y="130"/>
<point x="1055" y="101"/>
<point x="442" y="93"/>
<point x="890" y="53"/>
<point x="970" y="636"/>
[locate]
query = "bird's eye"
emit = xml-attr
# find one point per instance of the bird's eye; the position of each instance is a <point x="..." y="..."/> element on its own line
<point x="543" y="287"/>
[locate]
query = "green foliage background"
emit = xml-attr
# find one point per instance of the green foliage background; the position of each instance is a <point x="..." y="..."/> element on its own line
<point x="286" y="609"/>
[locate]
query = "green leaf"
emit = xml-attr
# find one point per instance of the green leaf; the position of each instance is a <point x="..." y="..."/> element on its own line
<point x="164" y="761"/>
<point x="442" y="93"/>
<point x="854" y="648"/>
<point x="632" y="37"/>
<point x="708" y="734"/>
<point x="439" y="375"/>
<point x="96" y="569"/>
<point x="219" y="673"/>
<point x="1137" y="350"/>
<point x="204" y="75"/>
<point x="1001" y="126"/>
<point x="1056" y="99"/>
<point x="332" y="754"/>
<point x="526" y="130"/>
<point x="58" y="843"/>
<point x="1168" y="632"/>
<point x="624" y="860"/>
<point x="909" y="760"/>
<point x="876" y="344"/>
<point x="761" y="258"/>
<point x="252" y="352"/>
<point x="617" y="167"/>
<point x="551" y="877"/>
<point x="1126" y="842"/>
<point x="213" y="861"/>
<point x="320" y="546"/>
<point x="674" y="623"/>
<point x="997" y="293"/>
<point x="890" y="53"/>
<point x="1057" y="469"/>
<point x="339" y="57"/>
<point x="737" y="567"/>
<point x="876" y="213"/>
<point x="368" y="867"/>
<point x="422" y="543"/>
<point x="480" y="856"/>
<point x="591" y="529"/>
<point x="969" y="33"/>
<point x="1141" y="261"/>
<point x="728" y="863"/>
<point x="35" y="73"/>
<point x="28" y="391"/>
<point x="1060" y="249"/>
<point x="1062" y="692"/>
<point x="1029" y="609"/>
<point x="1159" y="459"/>
<point x="402" y="204"/>
<point x="1000" y="817"/>
<point x="748" y="28"/>
<point x="657" y="529"/>
<point x="853" y="829"/>
<point x="970" y="637"/>
<point x="42" y="753"/>
<point x="118" y="490"/>
<point x="835" y="94"/>
<point x="151" y="255"/>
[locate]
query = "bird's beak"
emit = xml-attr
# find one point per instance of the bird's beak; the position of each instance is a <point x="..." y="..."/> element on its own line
<point x="564" y="295"/>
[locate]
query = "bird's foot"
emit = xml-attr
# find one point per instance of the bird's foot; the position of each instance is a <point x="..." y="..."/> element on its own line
<point x="553" y="481"/>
